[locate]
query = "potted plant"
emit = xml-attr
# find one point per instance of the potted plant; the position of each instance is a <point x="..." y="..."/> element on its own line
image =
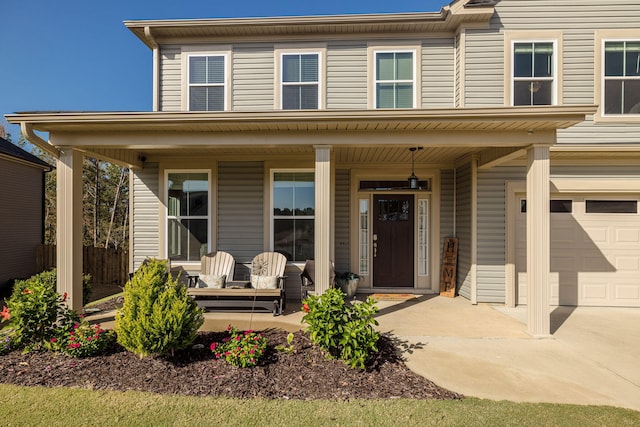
<point x="348" y="283"/>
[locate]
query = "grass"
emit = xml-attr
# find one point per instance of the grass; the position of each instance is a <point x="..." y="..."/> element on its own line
<point x="24" y="406"/>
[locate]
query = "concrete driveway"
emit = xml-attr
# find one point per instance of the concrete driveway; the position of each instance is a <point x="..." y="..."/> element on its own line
<point x="593" y="357"/>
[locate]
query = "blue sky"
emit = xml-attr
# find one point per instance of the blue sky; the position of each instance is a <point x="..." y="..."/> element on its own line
<point x="77" y="54"/>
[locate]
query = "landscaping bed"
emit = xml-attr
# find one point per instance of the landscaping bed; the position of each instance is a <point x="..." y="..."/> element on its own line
<point x="302" y="374"/>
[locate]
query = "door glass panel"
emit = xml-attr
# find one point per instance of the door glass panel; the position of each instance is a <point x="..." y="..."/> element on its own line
<point x="393" y="210"/>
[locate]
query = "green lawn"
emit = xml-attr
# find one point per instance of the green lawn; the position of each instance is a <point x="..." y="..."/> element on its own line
<point x="22" y="406"/>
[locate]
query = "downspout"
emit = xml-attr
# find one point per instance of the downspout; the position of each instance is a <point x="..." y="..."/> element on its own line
<point x="28" y="132"/>
<point x="151" y="42"/>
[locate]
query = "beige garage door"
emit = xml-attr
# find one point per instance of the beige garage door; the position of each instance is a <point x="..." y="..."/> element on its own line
<point x="595" y="250"/>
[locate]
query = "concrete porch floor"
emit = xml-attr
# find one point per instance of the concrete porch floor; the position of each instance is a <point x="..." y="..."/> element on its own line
<point x="592" y="358"/>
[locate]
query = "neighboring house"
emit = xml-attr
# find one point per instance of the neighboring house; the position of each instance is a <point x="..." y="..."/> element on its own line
<point x="294" y="134"/>
<point x="21" y="212"/>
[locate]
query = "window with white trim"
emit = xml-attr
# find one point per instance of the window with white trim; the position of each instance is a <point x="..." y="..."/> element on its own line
<point x="534" y="71"/>
<point x="206" y="83"/>
<point x="188" y="215"/>
<point x="300" y="79"/>
<point x="293" y="230"/>
<point x="395" y="79"/>
<point x="621" y="88"/>
<point x="363" y="237"/>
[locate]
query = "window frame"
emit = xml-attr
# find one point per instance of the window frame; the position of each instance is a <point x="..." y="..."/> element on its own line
<point x="283" y="83"/>
<point x="602" y="36"/>
<point x="272" y="216"/>
<point x="168" y="217"/>
<point x="206" y="50"/>
<point x="300" y="49"/>
<point x="604" y="78"/>
<point x="374" y="72"/>
<point x="207" y="85"/>
<point x="554" y="72"/>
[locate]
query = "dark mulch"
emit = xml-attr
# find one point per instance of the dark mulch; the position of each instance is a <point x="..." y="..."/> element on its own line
<point x="305" y="374"/>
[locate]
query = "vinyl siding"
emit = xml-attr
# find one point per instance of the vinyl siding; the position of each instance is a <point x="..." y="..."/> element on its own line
<point x="463" y="228"/>
<point x="21" y="224"/>
<point x="253" y="77"/>
<point x="342" y="209"/>
<point x="346" y="76"/>
<point x="446" y="206"/>
<point x="438" y="73"/>
<point x="458" y="70"/>
<point x="484" y="68"/>
<point x="170" y="78"/>
<point x="146" y="218"/>
<point x="240" y="211"/>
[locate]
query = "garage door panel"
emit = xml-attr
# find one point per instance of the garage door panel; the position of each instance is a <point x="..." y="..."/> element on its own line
<point x="595" y="258"/>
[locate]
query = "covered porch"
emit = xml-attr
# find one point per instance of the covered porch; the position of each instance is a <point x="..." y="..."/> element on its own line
<point x="353" y="156"/>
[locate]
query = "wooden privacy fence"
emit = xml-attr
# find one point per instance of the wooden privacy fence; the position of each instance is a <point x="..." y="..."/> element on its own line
<point x="105" y="265"/>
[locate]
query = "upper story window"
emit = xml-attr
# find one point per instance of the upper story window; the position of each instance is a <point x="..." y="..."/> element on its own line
<point x="300" y="81"/>
<point x="533" y="73"/>
<point x="621" y="77"/>
<point x="395" y="79"/>
<point x="187" y="215"/>
<point x="206" y="83"/>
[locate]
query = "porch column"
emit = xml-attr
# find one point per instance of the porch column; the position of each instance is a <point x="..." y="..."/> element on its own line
<point x="322" y="217"/>
<point x="538" y="241"/>
<point x="69" y="226"/>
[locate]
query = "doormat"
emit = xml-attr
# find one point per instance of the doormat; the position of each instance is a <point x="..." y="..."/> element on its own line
<point x="393" y="297"/>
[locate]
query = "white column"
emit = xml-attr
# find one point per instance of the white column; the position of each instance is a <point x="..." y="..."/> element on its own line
<point x="69" y="226"/>
<point x="538" y="241"/>
<point x="322" y="216"/>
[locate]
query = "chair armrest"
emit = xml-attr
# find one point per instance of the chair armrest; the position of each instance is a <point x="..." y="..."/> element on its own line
<point x="192" y="280"/>
<point x="281" y="280"/>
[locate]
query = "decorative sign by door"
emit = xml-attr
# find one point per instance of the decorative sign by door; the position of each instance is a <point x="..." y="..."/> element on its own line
<point x="449" y="267"/>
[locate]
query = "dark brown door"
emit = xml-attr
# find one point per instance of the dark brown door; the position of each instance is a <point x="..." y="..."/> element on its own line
<point x="393" y="240"/>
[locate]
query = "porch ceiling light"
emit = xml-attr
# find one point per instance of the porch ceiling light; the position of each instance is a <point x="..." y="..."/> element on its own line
<point x="413" y="179"/>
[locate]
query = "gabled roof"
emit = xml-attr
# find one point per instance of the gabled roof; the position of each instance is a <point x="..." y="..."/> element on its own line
<point x="7" y="149"/>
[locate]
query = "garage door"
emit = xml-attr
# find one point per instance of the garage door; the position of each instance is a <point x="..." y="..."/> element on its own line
<point x="595" y="250"/>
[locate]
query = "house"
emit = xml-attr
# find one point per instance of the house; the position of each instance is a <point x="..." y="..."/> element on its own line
<point x="22" y="177"/>
<point x="518" y="118"/>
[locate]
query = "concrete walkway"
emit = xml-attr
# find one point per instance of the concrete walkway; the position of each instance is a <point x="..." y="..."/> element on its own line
<point x="593" y="357"/>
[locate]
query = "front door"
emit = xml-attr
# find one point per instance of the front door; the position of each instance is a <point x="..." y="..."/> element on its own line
<point x="393" y="240"/>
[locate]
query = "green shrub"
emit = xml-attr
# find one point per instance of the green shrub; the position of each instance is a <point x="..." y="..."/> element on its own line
<point x="37" y="312"/>
<point x="343" y="330"/>
<point x="158" y="316"/>
<point x="242" y="349"/>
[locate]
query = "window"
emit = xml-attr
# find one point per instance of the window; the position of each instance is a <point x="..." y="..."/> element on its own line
<point x="394" y="80"/>
<point x="363" y="237"/>
<point x="206" y="83"/>
<point x="187" y="215"/>
<point x="300" y="81"/>
<point x="555" y="206"/>
<point x="611" y="206"/>
<point x="533" y="73"/>
<point x="293" y="214"/>
<point x="621" y="77"/>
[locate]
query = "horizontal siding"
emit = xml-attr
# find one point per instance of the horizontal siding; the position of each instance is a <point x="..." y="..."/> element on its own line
<point x="146" y="219"/>
<point x="170" y="78"/>
<point x="484" y="68"/>
<point x="240" y="209"/>
<point x="342" y="209"/>
<point x="21" y="220"/>
<point x="438" y="73"/>
<point x="346" y="76"/>
<point x="446" y="208"/>
<point x="253" y="77"/>
<point x="463" y="229"/>
<point x="491" y="231"/>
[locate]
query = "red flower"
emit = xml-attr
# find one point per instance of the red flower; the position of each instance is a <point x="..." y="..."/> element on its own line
<point x="27" y="291"/>
<point x="213" y="346"/>
<point x="64" y="297"/>
<point x="53" y="340"/>
<point x="305" y="307"/>
<point x="248" y="332"/>
<point x="5" y="313"/>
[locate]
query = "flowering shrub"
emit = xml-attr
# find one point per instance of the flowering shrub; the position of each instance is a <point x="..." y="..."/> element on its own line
<point x="345" y="331"/>
<point x="242" y="349"/>
<point x="36" y="312"/>
<point x="82" y="340"/>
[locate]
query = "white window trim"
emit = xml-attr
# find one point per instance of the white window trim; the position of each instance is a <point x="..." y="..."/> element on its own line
<point x="302" y="50"/>
<point x="414" y="81"/>
<point x="167" y="216"/>
<point x="191" y="51"/>
<point x="554" y="71"/>
<point x="604" y="78"/>
<point x="273" y="217"/>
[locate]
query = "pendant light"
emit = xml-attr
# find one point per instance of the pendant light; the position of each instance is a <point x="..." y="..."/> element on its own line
<point x="413" y="179"/>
